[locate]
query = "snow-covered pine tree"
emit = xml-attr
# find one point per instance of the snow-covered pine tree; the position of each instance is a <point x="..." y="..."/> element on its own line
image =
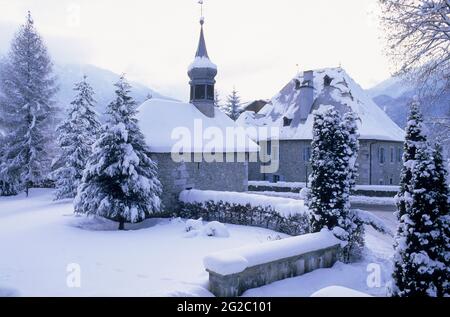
<point x="355" y="227"/>
<point x="419" y="270"/>
<point x="27" y="109"/>
<point x="443" y="205"/>
<point x="415" y="137"/>
<point x="233" y="105"/>
<point x="217" y="101"/>
<point x="76" y="135"/>
<point x="120" y="181"/>
<point x="329" y="195"/>
<point x="6" y="188"/>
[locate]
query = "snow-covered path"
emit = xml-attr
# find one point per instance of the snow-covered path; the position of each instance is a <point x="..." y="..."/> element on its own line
<point x="39" y="238"/>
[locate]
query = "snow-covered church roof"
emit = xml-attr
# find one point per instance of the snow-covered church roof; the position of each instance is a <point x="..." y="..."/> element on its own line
<point x="163" y="121"/>
<point x="291" y="109"/>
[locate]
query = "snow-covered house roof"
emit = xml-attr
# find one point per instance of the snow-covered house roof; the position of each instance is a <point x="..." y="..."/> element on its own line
<point x="163" y="121"/>
<point x="291" y="109"/>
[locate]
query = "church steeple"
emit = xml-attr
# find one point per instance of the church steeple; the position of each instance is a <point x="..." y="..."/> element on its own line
<point x="201" y="50"/>
<point x="202" y="73"/>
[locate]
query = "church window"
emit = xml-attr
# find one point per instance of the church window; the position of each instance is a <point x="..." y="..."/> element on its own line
<point x="381" y="155"/>
<point x="306" y="154"/>
<point x="210" y="92"/>
<point x="200" y="92"/>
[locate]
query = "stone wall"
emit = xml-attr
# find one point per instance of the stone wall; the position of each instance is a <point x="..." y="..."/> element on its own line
<point x="236" y="284"/>
<point x="294" y="167"/>
<point x="176" y="177"/>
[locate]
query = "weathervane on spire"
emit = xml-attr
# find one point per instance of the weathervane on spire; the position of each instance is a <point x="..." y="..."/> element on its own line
<point x="202" y="18"/>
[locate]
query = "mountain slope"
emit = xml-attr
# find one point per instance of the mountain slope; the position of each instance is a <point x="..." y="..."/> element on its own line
<point x="394" y="96"/>
<point x="102" y="82"/>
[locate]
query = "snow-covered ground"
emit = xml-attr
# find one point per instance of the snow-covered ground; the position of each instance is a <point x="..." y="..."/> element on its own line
<point x="40" y="238"/>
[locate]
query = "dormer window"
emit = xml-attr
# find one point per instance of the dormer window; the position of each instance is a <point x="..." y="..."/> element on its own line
<point x="287" y="122"/>
<point x="297" y="84"/>
<point x="327" y="81"/>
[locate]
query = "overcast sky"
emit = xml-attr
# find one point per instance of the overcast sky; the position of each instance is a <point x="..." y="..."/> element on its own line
<point x="255" y="43"/>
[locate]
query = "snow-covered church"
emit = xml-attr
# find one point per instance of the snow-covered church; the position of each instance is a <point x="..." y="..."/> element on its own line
<point x="291" y="111"/>
<point x="197" y="132"/>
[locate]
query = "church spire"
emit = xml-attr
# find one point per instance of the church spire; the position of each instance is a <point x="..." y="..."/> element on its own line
<point x="202" y="73"/>
<point x="201" y="50"/>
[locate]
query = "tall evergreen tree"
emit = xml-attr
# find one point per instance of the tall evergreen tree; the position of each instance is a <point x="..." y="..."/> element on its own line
<point x="415" y="138"/>
<point x="217" y="101"/>
<point x="6" y="187"/>
<point x="420" y="245"/>
<point x="76" y="135"/>
<point x="27" y="108"/>
<point x="333" y="163"/>
<point x="120" y="182"/>
<point x="233" y="105"/>
<point x="443" y="206"/>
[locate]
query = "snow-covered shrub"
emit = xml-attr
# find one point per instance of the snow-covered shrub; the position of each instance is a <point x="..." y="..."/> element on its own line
<point x="334" y="172"/>
<point x="216" y="229"/>
<point x="193" y="225"/>
<point x="289" y="216"/>
<point x="304" y="192"/>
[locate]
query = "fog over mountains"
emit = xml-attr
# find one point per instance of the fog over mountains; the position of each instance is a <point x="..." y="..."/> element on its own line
<point x="102" y="82"/>
<point x="394" y="95"/>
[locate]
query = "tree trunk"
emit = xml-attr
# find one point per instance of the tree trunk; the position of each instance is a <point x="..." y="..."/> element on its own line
<point x="121" y="225"/>
<point x="26" y="189"/>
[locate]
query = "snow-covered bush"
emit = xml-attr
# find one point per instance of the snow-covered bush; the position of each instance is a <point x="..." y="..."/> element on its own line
<point x="334" y="171"/>
<point x="193" y="225"/>
<point x="280" y="214"/>
<point x="216" y="229"/>
<point x="304" y="192"/>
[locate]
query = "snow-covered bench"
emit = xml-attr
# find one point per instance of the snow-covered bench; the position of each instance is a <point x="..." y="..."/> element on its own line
<point x="232" y="272"/>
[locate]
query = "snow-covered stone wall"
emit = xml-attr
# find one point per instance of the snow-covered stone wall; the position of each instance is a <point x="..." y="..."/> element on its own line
<point x="232" y="272"/>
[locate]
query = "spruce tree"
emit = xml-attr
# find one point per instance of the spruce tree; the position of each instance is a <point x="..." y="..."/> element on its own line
<point x="419" y="269"/>
<point x="27" y="109"/>
<point x="355" y="227"/>
<point x="443" y="206"/>
<point x="332" y="177"/>
<point x="76" y="135"/>
<point x="120" y="182"/>
<point x="233" y="105"/>
<point x="414" y="138"/>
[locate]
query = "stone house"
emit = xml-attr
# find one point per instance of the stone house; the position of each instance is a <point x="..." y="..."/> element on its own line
<point x="189" y="141"/>
<point x="290" y="111"/>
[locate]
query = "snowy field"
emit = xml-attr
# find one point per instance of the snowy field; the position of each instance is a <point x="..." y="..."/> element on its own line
<point x="39" y="238"/>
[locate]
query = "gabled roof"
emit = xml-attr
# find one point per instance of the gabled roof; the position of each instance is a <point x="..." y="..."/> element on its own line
<point x="332" y="87"/>
<point x="159" y="119"/>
